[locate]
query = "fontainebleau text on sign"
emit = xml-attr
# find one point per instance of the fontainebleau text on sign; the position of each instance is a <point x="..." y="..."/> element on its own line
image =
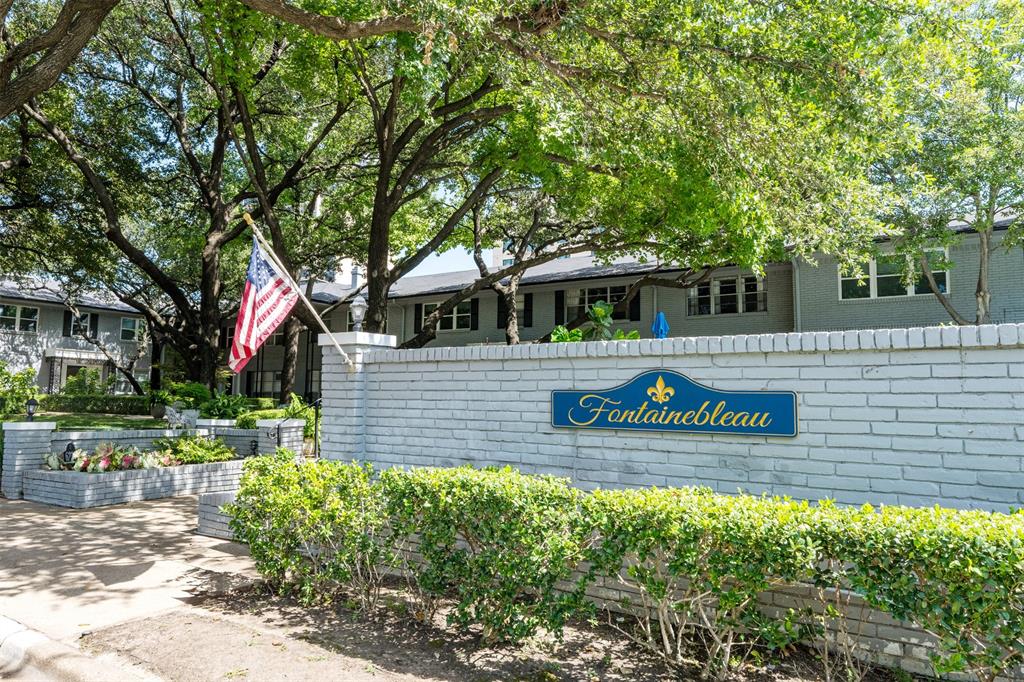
<point x="664" y="400"/>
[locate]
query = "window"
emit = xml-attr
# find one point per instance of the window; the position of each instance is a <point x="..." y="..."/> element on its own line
<point x="505" y="262"/>
<point x="131" y="328"/>
<point x="578" y="302"/>
<point x="261" y="384"/>
<point x="19" y="318"/>
<point x="728" y="296"/>
<point x="461" y="317"/>
<point x="883" y="278"/>
<point x="80" y="324"/>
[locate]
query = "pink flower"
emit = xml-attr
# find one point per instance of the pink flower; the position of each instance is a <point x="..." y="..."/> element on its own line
<point x="104" y="464"/>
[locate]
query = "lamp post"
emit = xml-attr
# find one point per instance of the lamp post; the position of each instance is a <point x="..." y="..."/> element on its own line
<point x="357" y="307"/>
<point x="30" y="408"/>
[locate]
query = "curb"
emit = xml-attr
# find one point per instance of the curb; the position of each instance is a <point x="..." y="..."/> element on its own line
<point x="22" y="648"/>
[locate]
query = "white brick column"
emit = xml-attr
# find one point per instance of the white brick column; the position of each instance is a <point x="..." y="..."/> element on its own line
<point x="343" y="388"/>
<point x="25" y="445"/>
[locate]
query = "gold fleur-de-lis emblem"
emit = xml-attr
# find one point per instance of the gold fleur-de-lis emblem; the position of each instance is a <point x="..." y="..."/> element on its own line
<point x="659" y="392"/>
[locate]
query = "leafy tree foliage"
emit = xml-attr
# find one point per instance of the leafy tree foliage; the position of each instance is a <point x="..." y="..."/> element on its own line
<point x="961" y="166"/>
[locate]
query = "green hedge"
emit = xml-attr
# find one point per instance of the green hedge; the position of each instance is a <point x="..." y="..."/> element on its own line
<point x="518" y="552"/>
<point x="101" y="404"/>
<point x="249" y="419"/>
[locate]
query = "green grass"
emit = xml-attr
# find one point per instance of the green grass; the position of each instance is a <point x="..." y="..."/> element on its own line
<point x="68" y="421"/>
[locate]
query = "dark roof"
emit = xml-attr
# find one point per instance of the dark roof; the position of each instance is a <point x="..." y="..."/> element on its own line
<point x="565" y="270"/>
<point x="49" y="291"/>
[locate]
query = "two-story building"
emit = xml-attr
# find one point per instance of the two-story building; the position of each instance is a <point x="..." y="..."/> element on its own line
<point x="797" y="295"/>
<point x="39" y="331"/>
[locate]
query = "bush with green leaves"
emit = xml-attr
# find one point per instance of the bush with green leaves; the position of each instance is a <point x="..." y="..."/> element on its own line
<point x="16" y="389"/>
<point x="698" y="562"/>
<point x="95" y="404"/>
<point x="224" y="406"/>
<point x="518" y="553"/>
<point x="500" y="541"/>
<point x="598" y="327"/>
<point x="314" y="527"/>
<point x="296" y="409"/>
<point x="88" y="381"/>
<point x="195" y="449"/>
<point x="190" y="394"/>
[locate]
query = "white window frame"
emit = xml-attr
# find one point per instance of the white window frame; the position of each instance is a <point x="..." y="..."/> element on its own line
<point x="83" y="321"/>
<point x="19" y="317"/>
<point x="136" y="329"/>
<point x="715" y="295"/>
<point x="455" y="316"/>
<point x="872" y="279"/>
<point x="579" y="297"/>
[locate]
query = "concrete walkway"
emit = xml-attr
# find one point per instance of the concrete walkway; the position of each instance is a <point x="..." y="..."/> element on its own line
<point x="68" y="572"/>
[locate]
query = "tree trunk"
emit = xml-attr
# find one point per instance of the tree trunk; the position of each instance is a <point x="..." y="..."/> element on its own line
<point x="512" y="318"/>
<point x="156" y="356"/>
<point x="292" y="328"/>
<point x="982" y="294"/>
<point x="378" y="275"/>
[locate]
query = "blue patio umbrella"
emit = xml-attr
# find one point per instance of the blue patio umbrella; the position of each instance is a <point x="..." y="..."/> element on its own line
<point x="660" y="326"/>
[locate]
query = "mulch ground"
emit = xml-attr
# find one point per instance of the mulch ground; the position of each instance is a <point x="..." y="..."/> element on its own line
<point x="252" y="635"/>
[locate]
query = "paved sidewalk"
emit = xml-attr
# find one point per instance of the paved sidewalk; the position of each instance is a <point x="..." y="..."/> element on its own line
<point x="67" y="572"/>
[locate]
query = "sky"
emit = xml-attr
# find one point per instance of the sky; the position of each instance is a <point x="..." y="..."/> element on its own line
<point x="449" y="261"/>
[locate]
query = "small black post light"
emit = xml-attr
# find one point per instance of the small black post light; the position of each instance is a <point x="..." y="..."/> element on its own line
<point x="357" y="306"/>
<point x="30" y="408"/>
<point x="67" y="457"/>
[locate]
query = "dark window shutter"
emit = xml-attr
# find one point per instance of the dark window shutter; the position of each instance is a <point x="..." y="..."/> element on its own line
<point x="560" y="307"/>
<point x="634" y="308"/>
<point x="417" y="319"/>
<point x="94" y="325"/>
<point x="67" y="323"/>
<point x="527" y="310"/>
<point x="248" y="383"/>
<point x="502" y="312"/>
<point x="474" y="313"/>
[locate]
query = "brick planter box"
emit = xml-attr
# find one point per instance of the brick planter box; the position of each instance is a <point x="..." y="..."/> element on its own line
<point x="212" y="521"/>
<point x="80" y="490"/>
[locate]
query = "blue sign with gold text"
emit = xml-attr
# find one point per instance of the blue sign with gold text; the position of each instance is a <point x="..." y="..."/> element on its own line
<point x="663" y="400"/>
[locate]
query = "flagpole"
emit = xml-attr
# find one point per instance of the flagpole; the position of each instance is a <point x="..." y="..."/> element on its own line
<point x="295" y="285"/>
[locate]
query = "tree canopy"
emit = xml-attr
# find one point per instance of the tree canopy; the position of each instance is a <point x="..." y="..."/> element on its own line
<point x="696" y="134"/>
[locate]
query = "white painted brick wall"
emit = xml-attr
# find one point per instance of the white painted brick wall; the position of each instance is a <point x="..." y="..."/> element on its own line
<point x="905" y="416"/>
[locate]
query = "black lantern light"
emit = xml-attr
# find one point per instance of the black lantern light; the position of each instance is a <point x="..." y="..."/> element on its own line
<point x="67" y="457"/>
<point x="30" y="408"/>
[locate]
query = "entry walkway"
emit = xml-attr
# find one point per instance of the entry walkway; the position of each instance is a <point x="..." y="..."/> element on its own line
<point x="68" y="572"/>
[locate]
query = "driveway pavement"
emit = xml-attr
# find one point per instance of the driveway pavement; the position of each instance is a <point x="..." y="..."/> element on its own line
<point x="68" y="572"/>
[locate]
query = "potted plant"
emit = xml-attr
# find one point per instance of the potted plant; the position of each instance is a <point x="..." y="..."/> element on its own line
<point x="158" y="402"/>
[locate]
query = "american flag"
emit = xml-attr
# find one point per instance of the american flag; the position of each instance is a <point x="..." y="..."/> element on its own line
<point x="266" y="302"/>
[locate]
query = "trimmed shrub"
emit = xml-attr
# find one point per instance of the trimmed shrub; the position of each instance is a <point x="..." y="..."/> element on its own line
<point x="249" y="419"/>
<point x="500" y="541"/>
<point x="191" y="394"/>
<point x="314" y="527"/>
<point x="16" y="388"/>
<point x="519" y="552"/>
<point x="95" y="404"/>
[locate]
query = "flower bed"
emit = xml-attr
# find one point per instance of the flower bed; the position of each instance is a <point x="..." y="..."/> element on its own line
<point x="113" y="474"/>
<point x="169" y="452"/>
<point x="80" y="490"/>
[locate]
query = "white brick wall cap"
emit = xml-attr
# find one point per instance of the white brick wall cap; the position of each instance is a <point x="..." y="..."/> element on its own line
<point x="215" y="422"/>
<point x="29" y="426"/>
<point x="989" y="336"/>
<point x="348" y="339"/>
